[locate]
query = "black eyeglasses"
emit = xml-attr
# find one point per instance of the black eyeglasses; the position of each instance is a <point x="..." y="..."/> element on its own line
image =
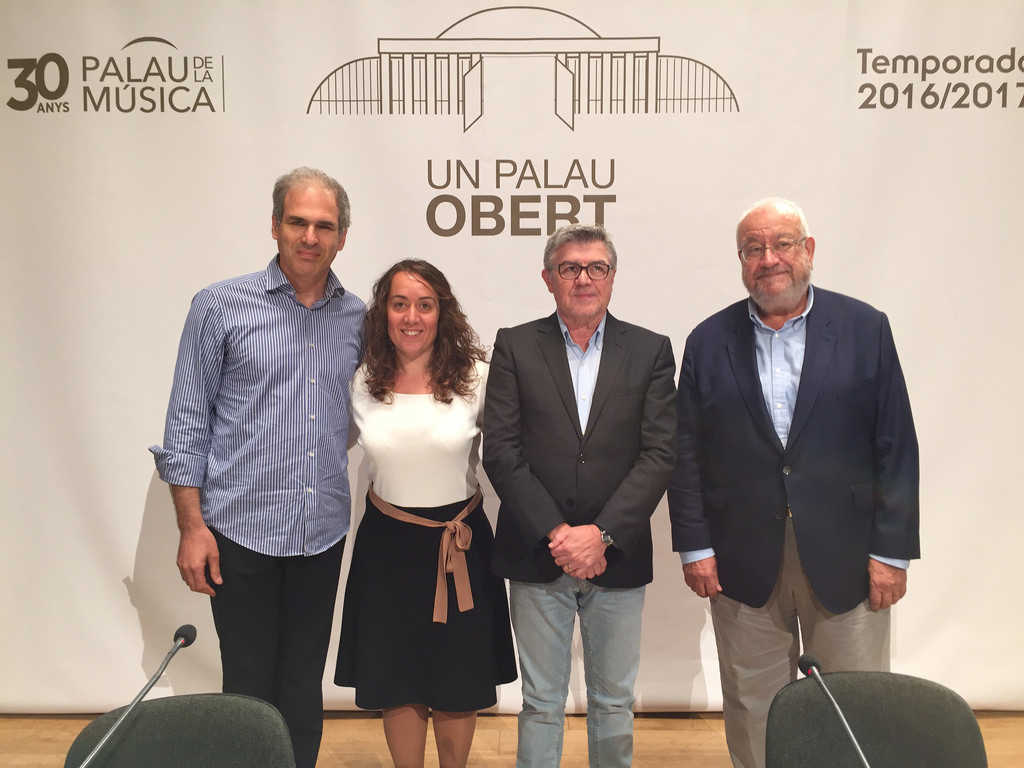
<point x="596" y="270"/>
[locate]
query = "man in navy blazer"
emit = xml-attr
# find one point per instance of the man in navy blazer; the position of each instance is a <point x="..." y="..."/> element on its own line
<point x="794" y="502"/>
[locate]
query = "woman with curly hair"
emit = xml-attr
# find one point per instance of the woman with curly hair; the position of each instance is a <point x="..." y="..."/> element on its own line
<point x="425" y="625"/>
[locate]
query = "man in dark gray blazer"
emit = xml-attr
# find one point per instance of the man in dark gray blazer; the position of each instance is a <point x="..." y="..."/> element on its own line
<point x="794" y="503"/>
<point x="579" y="442"/>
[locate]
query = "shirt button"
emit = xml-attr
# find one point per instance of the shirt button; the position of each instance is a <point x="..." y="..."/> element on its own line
<point x="311" y="346"/>
<point x="311" y="454"/>
<point x="312" y="380"/>
<point x="312" y="416"/>
<point x="787" y="470"/>
<point x="309" y="490"/>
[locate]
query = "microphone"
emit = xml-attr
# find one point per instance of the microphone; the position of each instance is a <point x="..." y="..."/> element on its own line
<point x="806" y="663"/>
<point x="186" y="633"/>
<point x="811" y="667"/>
<point x="184" y="636"/>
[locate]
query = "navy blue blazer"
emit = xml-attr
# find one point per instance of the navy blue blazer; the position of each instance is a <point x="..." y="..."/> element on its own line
<point x="848" y="475"/>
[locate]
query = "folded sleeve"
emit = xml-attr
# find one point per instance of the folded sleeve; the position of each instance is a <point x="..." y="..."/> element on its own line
<point x="182" y="459"/>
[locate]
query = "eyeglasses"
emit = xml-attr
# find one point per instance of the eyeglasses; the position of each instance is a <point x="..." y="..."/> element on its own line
<point x="781" y="248"/>
<point x="596" y="270"/>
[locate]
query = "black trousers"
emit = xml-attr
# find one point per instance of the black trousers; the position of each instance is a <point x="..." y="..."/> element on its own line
<point x="273" y="617"/>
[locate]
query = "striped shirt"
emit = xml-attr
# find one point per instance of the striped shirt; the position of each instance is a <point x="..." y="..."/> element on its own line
<point x="259" y="411"/>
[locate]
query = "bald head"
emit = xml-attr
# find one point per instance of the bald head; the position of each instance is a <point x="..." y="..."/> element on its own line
<point x="776" y="258"/>
<point x="777" y="206"/>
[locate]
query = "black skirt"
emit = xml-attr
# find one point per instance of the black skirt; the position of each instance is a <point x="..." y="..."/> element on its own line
<point x="391" y="651"/>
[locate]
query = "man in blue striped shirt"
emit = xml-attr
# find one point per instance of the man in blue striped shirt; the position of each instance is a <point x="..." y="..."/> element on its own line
<point x="255" y="452"/>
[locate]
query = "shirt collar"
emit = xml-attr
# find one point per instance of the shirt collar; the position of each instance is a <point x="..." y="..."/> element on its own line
<point x="333" y="287"/>
<point x="597" y="340"/>
<point x="752" y="311"/>
<point x="277" y="281"/>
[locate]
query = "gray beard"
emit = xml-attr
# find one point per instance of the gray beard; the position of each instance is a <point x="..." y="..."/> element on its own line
<point x="781" y="303"/>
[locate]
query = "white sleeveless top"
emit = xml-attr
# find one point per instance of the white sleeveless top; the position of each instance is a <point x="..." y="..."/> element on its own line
<point x="420" y="452"/>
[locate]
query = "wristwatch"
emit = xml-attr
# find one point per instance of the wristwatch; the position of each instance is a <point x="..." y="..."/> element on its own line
<point x="606" y="538"/>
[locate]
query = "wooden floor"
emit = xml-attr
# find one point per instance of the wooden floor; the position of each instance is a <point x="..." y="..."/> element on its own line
<point x="355" y="740"/>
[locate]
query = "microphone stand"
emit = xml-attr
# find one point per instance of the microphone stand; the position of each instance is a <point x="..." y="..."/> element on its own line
<point x="814" y="671"/>
<point x="179" y="643"/>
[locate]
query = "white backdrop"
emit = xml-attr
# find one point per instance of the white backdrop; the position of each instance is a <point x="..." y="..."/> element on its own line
<point x="116" y="217"/>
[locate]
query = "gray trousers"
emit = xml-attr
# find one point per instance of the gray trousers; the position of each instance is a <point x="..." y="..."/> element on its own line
<point x="758" y="649"/>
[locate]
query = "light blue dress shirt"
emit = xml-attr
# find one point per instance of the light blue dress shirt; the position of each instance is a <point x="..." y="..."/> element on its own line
<point x="780" y="360"/>
<point x="259" y="411"/>
<point x="583" y="367"/>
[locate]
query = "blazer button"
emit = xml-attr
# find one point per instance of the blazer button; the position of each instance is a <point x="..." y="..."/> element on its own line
<point x="570" y="502"/>
<point x="580" y="459"/>
<point x="787" y="470"/>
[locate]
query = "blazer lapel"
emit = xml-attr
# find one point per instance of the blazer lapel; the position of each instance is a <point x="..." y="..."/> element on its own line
<point x="613" y="357"/>
<point x="821" y="343"/>
<point x="552" y="347"/>
<point x="743" y="359"/>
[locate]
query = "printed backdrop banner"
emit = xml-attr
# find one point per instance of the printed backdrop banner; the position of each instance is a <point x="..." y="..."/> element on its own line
<point x="141" y="144"/>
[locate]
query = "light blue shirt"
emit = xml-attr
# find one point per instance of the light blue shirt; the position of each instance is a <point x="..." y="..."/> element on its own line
<point x="259" y="411"/>
<point x="583" y="367"/>
<point x="780" y="361"/>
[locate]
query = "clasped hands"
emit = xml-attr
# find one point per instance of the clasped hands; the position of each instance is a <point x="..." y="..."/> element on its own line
<point x="578" y="550"/>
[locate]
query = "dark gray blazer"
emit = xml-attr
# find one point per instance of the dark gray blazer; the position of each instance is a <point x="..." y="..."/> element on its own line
<point x="547" y="470"/>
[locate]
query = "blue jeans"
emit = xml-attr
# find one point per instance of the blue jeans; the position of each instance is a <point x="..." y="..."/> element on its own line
<point x="610" y="620"/>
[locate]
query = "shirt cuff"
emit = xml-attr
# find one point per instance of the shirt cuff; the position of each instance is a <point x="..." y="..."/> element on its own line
<point x="179" y="468"/>
<point x="696" y="554"/>
<point x="895" y="562"/>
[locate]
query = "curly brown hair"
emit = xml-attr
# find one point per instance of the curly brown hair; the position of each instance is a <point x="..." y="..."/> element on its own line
<point x="456" y="348"/>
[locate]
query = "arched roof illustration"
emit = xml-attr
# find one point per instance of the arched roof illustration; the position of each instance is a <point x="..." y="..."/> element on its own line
<point x="593" y="74"/>
<point x="517" y="21"/>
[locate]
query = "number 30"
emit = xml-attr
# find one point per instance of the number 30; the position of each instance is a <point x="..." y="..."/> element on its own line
<point x="32" y="79"/>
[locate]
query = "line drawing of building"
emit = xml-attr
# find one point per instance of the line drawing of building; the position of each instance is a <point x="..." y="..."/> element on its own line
<point x="592" y="75"/>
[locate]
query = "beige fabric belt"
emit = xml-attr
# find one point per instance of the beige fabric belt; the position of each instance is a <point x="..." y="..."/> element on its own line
<point x="451" y="554"/>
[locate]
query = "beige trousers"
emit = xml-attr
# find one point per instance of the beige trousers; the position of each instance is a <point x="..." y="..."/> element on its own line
<point x="758" y="649"/>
